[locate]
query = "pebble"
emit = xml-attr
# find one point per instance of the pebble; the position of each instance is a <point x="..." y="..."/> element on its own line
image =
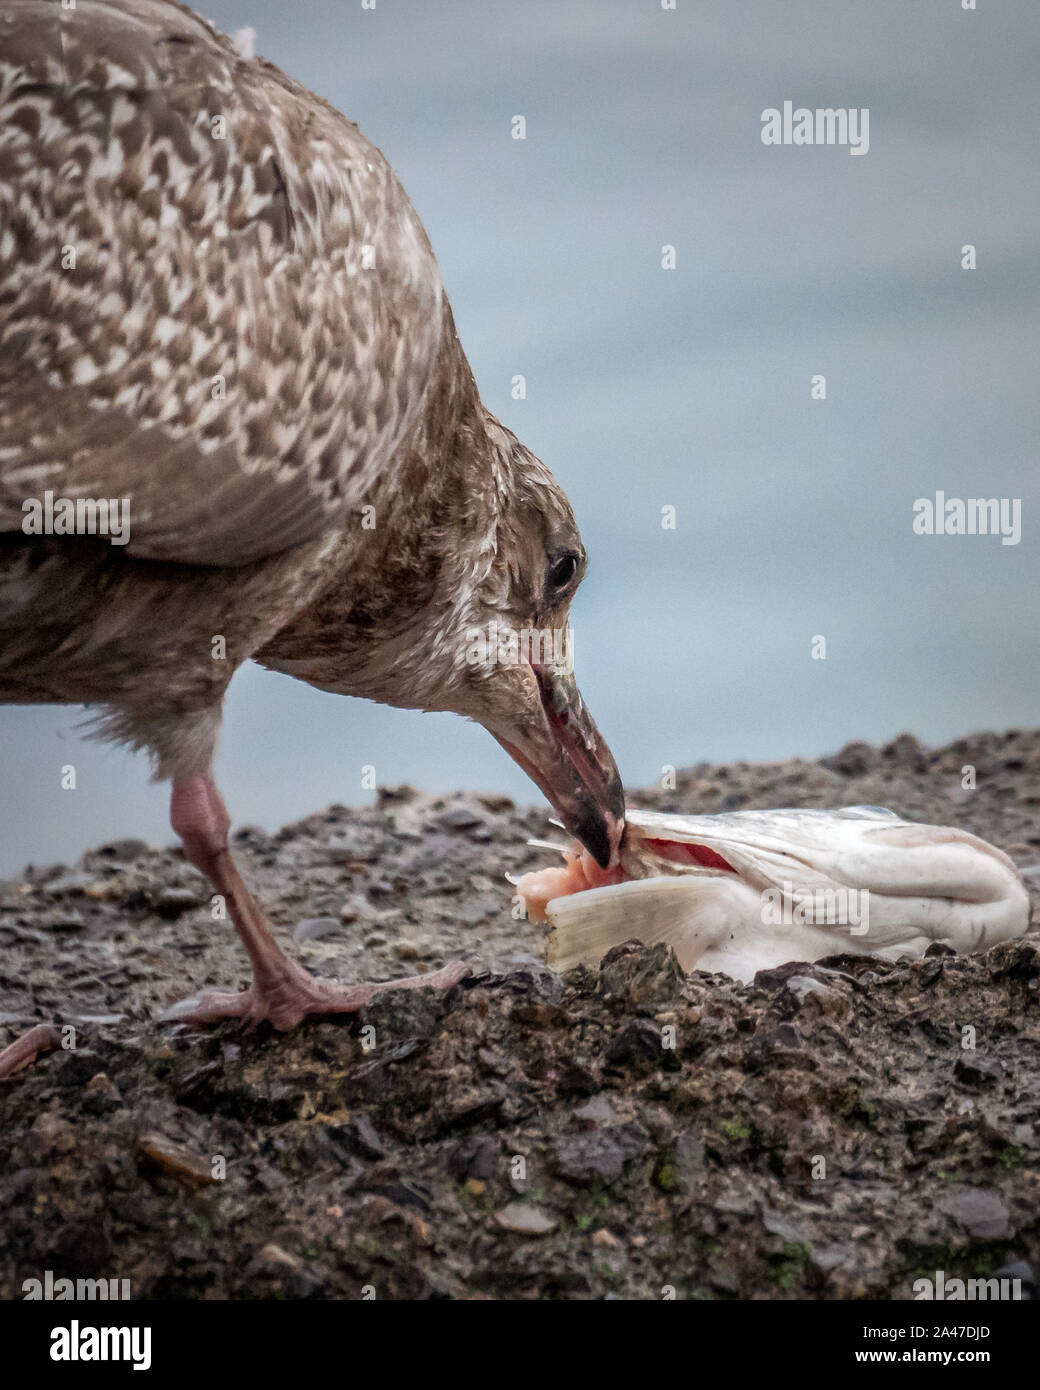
<point x="122" y="850"/>
<point x="522" y="1219"/>
<point x="65" y="920"/>
<point x="171" y="902"/>
<point x="605" y="1240"/>
<point x="639" y="1041"/>
<point x="599" y="1155"/>
<point x="175" y="1160"/>
<point x="316" y="929"/>
<point x="409" y="950"/>
<point x="459" y="818"/>
<point x="827" y="999"/>
<point x="595" y="1113"/>
<point x="977" y="1070"/>
<point x="68" y="883"/>
<point x="981" y="1211"/>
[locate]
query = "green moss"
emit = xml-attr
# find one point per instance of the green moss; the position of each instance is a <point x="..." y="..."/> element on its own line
<point x="203" y="1223"/>
<point x="665" y="1177"/>
<point x="864" y="1112"/>
<point x="791" y="1270"/>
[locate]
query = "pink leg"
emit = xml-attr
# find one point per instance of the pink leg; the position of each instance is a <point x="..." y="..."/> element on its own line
<point x="282" y="991"/>
<point x="44" y="1037"/>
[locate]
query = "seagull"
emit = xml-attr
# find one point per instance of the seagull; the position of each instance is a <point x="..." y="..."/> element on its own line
<point x="236" y="422"/>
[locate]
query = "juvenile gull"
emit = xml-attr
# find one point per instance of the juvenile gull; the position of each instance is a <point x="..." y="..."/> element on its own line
<point x="218" y="303"/>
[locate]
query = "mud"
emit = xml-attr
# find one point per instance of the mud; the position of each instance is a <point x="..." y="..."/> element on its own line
<point x="824" y="1132"/>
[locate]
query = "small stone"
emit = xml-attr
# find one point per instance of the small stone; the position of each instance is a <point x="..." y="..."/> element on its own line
<point x="977" y="1070"/>
<point x="358" y="1137"/>
<point x="981" y="1211"/>
<point x="347" y="848"/>
<point x="605" y="1240"/>
<point x="122" y="850"/>
<point x="175" y="1160"/>
<point x="577" y="1080"/>
<point x="827" y="1258"/>
<point x="476" y="1157"/>
<point x="459" y="818"/>
<point x="101" y="1085"/>
<point x="685" y="1163"/>
<point x="67" y="883"/>
<point x="828" y="1000"/>
<point x="106" y="890"/>
<point x="277" y="1258"/>
<point x="595" y="1113"/>
<point x="599" y="1156"/>
<point x="639" y="1041"/>
<point x="642" y="976"/>
<point x="522" y="1219"/>
<point x="906" y="752"/>
<point x="171" y="902"/>
<point x="851" y="761"/>
<point x="1019" y="1270"/>
<point x="316" y="929"/>
<point x="66" y="919"/>
<point x="1018" y="960"/>
<point x="779" y="1226"/>
<point x="780" y="1047"/>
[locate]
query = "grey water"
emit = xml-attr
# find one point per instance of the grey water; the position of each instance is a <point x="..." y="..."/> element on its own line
<point x="687" y="388"/>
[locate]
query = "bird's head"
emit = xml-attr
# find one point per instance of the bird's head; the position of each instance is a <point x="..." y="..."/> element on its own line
<point x="512" y="582"/>
<point x="459" y="599"/>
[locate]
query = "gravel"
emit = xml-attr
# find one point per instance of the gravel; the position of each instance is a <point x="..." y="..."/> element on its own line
<point x="828" y="1131"/>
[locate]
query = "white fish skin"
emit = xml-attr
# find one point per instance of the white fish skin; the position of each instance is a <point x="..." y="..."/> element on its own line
<point x="923" y="883"/>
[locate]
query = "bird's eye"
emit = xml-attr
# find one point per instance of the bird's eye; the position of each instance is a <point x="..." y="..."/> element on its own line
<point x="563" y="570"/>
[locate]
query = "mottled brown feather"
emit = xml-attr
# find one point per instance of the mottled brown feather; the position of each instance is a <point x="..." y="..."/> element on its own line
<point x="350" y="511"/>
<point x="202" y="266"/>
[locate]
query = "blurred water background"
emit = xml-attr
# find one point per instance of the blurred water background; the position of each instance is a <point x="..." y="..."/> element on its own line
<point x="689" y="387"/>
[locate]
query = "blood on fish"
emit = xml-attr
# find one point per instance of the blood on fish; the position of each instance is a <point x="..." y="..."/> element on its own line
<point x="680" y="852"/>
<point x="581" y="873"/>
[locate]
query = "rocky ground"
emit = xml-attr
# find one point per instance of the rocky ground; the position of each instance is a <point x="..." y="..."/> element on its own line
<point x="820" y="1133"/>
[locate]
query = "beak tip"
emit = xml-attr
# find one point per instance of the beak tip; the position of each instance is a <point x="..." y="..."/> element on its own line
<point x="601" y="833"/>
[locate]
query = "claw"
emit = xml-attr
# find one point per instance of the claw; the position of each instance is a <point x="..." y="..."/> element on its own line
<point x="287" y="1000"/>
<point x="44" y="1037"/>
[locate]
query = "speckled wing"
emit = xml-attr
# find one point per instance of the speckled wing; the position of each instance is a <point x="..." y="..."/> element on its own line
<point x="215" y="297"/>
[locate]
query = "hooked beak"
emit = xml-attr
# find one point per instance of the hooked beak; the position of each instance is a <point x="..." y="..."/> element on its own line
<point x="567" y="757"/>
